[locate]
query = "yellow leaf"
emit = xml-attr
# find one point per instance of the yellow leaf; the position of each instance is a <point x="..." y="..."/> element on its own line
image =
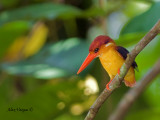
<point x="15" y="51"/>
<point x="36" y="39"/>
<point x="26" y="46"/>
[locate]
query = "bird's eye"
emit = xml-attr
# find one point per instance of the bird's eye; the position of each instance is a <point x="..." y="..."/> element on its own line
<point x="106" y="42"/>
<point x="96" y="50"/>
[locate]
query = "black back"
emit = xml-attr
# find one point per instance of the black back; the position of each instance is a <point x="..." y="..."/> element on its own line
<point x="123" y="52"/>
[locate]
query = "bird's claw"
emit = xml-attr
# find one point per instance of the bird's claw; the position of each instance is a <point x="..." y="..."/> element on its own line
<point x="107" y="86"/>
<point x="118" y="71"/>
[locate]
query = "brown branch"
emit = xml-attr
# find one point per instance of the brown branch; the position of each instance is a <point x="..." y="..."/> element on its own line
<point x="133" y="93"/>
<point x="125" y="67"/>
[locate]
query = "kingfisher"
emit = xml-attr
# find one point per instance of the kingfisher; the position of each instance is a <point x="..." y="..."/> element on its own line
<point x="111" y="57"/>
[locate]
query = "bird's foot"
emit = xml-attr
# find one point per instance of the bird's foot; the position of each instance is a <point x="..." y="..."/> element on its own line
<point x="107" y="86"/>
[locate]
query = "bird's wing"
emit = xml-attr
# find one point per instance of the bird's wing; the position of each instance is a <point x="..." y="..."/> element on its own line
<point x="123" y="52"/>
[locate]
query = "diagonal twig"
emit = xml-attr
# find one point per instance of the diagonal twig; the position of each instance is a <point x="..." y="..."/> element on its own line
<point x="125" y="67"/>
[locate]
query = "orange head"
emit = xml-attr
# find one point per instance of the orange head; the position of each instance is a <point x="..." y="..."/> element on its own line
<point x="96" y="49"/>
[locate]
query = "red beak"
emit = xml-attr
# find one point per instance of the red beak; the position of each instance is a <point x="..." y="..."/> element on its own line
<point x="88" y="59"/>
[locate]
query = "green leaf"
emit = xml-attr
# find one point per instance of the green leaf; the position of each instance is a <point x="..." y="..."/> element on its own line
<point x="129" y="39"/>
<point x="94" y="11"/>
<point x="39" y="11"/>
<point x="148" y="57"/>
<point x="143" y="22"/>
<point x="9" y="32"/>
<point x="57" y="60"/>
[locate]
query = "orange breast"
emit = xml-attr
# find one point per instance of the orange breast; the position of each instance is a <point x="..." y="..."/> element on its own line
<point x="112" y="61"/>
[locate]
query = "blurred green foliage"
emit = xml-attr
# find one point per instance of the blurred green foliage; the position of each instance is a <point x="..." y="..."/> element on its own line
<point x="52" y="61"/>
<point x="46" y="83"/>
<point x="39" y="11"/>
<point x="9" y="32"/>
<point x="148" y="18"/>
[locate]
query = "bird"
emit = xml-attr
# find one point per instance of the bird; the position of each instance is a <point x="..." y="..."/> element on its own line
<point x="111" y="57"/>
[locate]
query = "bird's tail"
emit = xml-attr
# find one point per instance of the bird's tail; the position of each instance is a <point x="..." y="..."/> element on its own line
<point x="129" y="79"/>
<point x="130" y="83"/>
